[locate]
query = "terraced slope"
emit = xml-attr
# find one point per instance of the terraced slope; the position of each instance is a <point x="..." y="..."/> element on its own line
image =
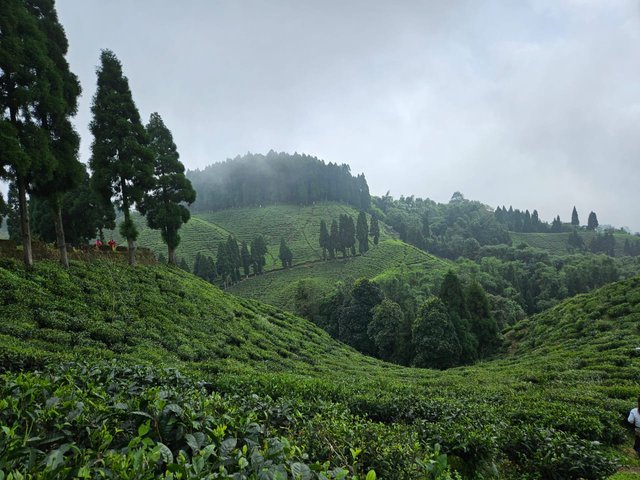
<point x="299" y="225"/>
<point x="552" y="408"/>
<point x="556" y="243"/>
<point x="278" y="287"/>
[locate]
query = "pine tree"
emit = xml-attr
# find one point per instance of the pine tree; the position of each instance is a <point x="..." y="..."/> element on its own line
<point x="122" y="163"/>
<point x="164" y="204"/>
<point x="374" y="229"/>
<point x="234" y="257"/>
<point x="556" y="226"/>
<point x="224" y="263"/>
<point x="258" y="251"/>
<point x="325" y="239"/>
<point x="34" y="109"/>
<point x="362" y="233"/>
<point x="245" y="258"/>
<point x="592" y="222"/>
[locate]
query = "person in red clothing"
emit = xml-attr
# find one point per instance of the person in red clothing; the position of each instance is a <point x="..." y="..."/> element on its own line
<point x="98" y="244"/>
<point x="112" y="244"/>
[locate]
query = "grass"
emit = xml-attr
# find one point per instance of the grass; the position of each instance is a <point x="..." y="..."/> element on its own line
<point x="299" y="225"/>
<point x="569" y="378"/>
<point x="556" y="243"/>
<point x="278" y="288"/>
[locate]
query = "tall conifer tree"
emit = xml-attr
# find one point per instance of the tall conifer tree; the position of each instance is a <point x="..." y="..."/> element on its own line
<point x="575" y="221"/>
<point x="362" y="233"/>
<point x="374" y="229"/>
<point x="325" y="240"/>
<point x="163" y="205"/>
<point x="121" y="161"/>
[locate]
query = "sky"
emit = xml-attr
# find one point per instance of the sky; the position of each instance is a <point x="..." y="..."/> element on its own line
<point x="534" y="104"/>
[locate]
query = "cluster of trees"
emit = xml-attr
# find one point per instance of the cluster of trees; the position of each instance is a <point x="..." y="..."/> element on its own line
<point x="519" y="221"/>
<point x="453" y="328"/>
<point x="451" y="230"/>
<point x="232" y="257"/>
<point x="255" y="180"/>
<point x="132" y="166"/>
<point x="342" y="235"/>
<point x="285" y="254"/>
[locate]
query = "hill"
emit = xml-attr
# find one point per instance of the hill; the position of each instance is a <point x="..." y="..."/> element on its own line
<point x="556" y="243"/>
<point x="299" y="225"/>
<point x="278" y="288"/>
<point x="280" y="394"/>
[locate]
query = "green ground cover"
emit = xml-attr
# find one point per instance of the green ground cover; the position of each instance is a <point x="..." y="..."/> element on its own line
<point x="556" y="243"/>
<point x="262" y="391"/>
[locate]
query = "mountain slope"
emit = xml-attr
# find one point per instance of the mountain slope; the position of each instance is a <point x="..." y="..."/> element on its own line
<point x="298" y="225"/>
<point x="278" y="288"/>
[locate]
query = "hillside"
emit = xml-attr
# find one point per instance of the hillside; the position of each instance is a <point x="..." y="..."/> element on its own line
<point x="278" y="288"/>
<point x="299" y="225"/>
<point x="537" y="411"/>
<point x="556" y="243"/>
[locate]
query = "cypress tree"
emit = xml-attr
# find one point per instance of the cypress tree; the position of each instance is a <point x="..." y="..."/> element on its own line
<point x="234" y="257"/>
<point x="32" y="104"/>
<point x="374" y="229"/>
<point x="164" y="204"/>
<point x="592" y="222"/>
<point x="575" y="221"/>
<point x="122" y="164"/>
<point x="285" y="254"/>
<point x="325" y="239"/>
<point x="258" y="251"/>
<point x="335" y="243"/>
<point x="362" y="233"/>
<point x="245" y="257"/>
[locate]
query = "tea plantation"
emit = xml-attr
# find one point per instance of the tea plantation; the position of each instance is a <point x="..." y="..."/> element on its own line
<point x="298" y="225"/>
<point x="118" y="372"/>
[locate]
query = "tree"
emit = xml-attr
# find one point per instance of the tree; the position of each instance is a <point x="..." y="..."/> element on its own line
<point x="13" y="214"/>
<point x="233" y="250"/>
<point x="285" y="255"/>
<point x="592" y="222"/>
<point x="452" y="296"/>
<point x="38" y="96"/>
<point x="374" y="229"/>
<point x="347" y="234"/>
<point x="183" y="265"/>
<point x="556" y="225"/>
<point x="325" y="239"/>
<point x="483" y="325"/>
<point x="575" y="221"/>
<point x="362" y="233"/>
<point x="354" y="318"/>
<point x="258" y="251"/>
<point x="163" y="205"/>
<point x="121" y="162"/>
<point x="435" y="341"/>
<point x="335" y="243"/>
<point x="245" y="258"/>
<point x="385" y="328"/>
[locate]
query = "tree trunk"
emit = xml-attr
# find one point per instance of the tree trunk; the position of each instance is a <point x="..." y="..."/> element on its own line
<point x="171" y="259"/>
<point x="131" y="244"/>
<point x="24" y="223"/>
<point x="62" y="245"/>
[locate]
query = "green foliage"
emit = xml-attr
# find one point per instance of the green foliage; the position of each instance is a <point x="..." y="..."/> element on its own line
<point x="256" y="180"/>
<point x="435" y="339"/>
<point x="285" y="254"/>
<point x="592" y="222"/>
<point x="571" y="371"/>
<point x="163" y="205"/>
<point x="121" y="162"/>
<point x="575" y="221"/>
<point x="362" y="233"/>
<point x="385" y="330"/>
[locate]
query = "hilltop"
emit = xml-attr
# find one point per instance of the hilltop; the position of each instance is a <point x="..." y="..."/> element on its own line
<point x="574" y="378"/>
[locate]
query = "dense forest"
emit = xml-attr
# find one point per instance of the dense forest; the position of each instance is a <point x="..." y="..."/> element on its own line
<point x="255" y="180"/>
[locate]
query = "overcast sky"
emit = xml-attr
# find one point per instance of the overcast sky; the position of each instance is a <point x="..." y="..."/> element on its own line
<point x="534" y="104"/>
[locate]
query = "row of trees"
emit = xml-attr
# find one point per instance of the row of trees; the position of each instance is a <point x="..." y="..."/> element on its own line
<point x="232" y="257"/>
<point x="255" y="180"/>
<point x="343" y="234"/>
<point x="523" y="221"/>
<point x="456" y="327"/>
<point x="132" y="166"/>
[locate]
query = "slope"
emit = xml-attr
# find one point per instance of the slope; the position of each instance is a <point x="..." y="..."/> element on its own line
<point x="298" y="225"/>
<point x="278" y="287"/>
<point x="556" y="243"/>
<point x="553" y="410"/>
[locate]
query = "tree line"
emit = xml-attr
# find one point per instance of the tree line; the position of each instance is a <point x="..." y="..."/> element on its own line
<point x="454" y="327"/>
<point x="525" y="222"/>
<point x="254" y="180"/>
<point x="342" y="236"/>
<point x="132" y="166"/>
